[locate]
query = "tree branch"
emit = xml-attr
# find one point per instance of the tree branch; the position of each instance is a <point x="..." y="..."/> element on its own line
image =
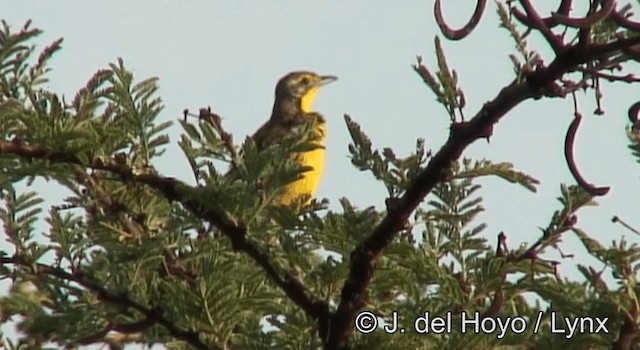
<point x="563" y="9"/>
<point x="368" y="252"/>
<point x="176" y="191"/>
<point x="152" y="315"/>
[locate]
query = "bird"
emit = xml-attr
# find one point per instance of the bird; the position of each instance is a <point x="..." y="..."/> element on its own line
<point x="295" y="94"/>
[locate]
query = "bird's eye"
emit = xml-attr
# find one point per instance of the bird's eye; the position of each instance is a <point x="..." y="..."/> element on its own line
<point x="304" y="80"/>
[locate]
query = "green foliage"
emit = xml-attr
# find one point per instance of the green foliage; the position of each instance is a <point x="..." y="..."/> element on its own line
<point x="507" y="22"/>
<point x="396" y="173"/>
<point x="445" y="83"/>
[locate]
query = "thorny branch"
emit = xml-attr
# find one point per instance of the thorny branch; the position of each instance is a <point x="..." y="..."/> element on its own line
<point x="539" y="82"/>
<point x="550" y="22"/>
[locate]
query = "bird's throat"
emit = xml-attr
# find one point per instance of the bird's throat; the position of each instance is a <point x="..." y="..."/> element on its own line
<point x="306" y="102"/>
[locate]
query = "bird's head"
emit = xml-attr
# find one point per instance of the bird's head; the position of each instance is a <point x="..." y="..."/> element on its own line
<point x="302" y="87"/>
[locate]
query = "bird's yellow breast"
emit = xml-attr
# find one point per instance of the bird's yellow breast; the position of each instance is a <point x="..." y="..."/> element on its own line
<point x="308" y="184"/>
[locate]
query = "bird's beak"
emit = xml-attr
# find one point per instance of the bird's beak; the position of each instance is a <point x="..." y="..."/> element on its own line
<point x="326" y="79"/>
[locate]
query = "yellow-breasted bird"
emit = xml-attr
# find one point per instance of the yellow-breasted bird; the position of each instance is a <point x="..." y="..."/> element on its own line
<point x="294" y="97"/>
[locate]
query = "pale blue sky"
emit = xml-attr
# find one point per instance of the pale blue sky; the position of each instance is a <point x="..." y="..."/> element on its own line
<point x="229" y="54"/>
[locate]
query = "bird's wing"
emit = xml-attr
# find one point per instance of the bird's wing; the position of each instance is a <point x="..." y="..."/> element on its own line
<point x="274" y="131"/>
